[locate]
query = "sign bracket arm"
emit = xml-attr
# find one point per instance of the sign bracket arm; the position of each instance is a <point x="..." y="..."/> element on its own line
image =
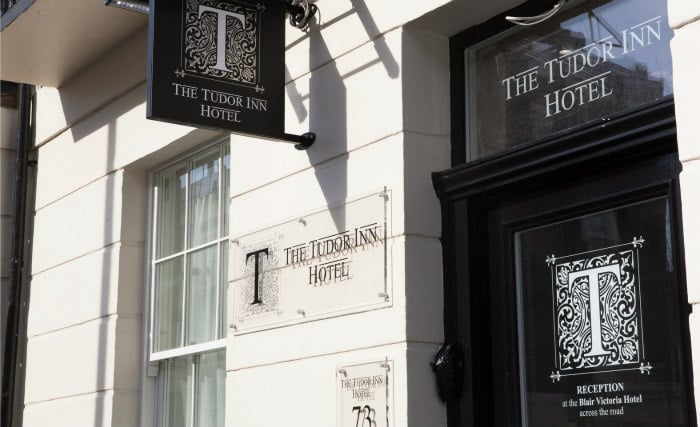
<point x="301" y="142"/>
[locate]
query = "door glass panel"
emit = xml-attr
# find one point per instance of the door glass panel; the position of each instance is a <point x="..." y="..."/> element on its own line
<point x="598" y="316"/>
<point x="596" y="59"/>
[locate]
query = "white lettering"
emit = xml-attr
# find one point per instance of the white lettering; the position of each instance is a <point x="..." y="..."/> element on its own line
<point x="185" y="90"/>
<point x="220" y="113"/>
<point x="641" y="35"/>
<point x="549" y="65"/>
<point x="524" y="82"/>
<point x="577" y="94"/>
<point x="593" y="276"/>
<point x="550" y="103"/>
<point x="221" y="18"/>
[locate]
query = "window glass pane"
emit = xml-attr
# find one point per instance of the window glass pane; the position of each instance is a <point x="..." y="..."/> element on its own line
<point x="177" y="392"/>
<point x="203" y="279"/>
<point x="598" y="310"/>
<point x="224" y="289"/>
<point x="211" y="386"/>
<point x="170" y="221"/>
<point x="587" y="63"/>
<point x="226" y="178"/>
<point x="204" y="198"/>
<point x="168" y="304"/>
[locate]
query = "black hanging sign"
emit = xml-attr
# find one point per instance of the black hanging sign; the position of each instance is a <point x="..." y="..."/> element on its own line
<point x="218" y="64"/>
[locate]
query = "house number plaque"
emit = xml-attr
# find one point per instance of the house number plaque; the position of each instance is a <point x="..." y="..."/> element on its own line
<point x="364" y="394"/>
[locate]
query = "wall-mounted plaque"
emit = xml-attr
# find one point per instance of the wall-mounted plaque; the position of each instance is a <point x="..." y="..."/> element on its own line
<point x="325" y="263"/>
<point x="365" y="395"/>
<point x="218" y="64"/>
<point x="597" y="59"/>
<point x="598" y="309"/>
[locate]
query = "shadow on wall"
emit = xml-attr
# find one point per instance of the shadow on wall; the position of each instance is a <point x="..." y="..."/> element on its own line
<point x="328" y="103"/>
<point x="327" y="115"/>
<point x="75" y="115"/>
<point x="92" y="91"/>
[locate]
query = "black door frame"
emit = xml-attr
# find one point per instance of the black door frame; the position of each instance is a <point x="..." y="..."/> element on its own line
<point x="465" y="191"/>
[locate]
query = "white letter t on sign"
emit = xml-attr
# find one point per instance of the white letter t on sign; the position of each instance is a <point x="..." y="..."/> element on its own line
<point x="221" y="16"/>
<point x="593" y="276"/>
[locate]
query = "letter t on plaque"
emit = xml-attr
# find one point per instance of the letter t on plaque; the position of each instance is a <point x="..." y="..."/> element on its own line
<point x="257" y="299"/>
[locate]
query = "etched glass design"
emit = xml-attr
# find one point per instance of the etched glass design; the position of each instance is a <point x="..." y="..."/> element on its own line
<point x="597" y="59"/>
<point x="597" y="319"/>
<point x="597" y="309"/>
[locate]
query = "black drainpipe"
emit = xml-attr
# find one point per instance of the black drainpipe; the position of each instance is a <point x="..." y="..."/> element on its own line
<point x="18" y="294"/>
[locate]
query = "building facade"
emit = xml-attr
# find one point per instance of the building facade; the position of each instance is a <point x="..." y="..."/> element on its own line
<point x="474" y="182"/>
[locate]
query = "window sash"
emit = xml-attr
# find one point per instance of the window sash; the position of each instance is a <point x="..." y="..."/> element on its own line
<point x="217" y="243"/>
<point x="191" y="391"/>
<point x="189" y="350"/>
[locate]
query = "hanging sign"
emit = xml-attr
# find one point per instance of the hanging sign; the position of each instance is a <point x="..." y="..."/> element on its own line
<point x="218" y="64"/>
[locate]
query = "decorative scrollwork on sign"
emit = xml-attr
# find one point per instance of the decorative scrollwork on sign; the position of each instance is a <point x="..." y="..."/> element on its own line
<point x="238" y="60"/>
<point x="597" y="310"/>
<point x="268" y="278"/>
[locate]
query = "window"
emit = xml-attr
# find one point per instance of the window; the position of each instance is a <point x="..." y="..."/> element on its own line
<point x="597" y="59"/>
<point x="188" y="288"/>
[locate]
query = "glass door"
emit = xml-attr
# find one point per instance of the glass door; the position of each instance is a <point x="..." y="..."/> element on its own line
<point x="597" y="301"/>
<point x="587" y="303"/>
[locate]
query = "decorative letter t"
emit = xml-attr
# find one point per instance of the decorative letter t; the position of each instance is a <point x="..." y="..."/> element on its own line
<point x="256" y="298"/>
<point x="221" y="16"/>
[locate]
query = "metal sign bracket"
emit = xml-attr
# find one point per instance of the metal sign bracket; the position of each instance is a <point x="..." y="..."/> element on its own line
<point x="301" y="142"/>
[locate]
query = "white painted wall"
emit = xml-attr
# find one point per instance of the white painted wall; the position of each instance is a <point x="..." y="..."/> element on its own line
<point x="372" y="80"/>
<point x="684" y="16"/>
<point x="346" y="83"/>
<point x="369" y="136"/>
<point x="85" y="318"/>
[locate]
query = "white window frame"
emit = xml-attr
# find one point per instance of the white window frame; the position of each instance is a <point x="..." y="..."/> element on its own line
<point x="151" y="379"/>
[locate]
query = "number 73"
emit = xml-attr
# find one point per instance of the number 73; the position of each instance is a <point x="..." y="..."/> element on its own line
<point x="368" y="414"/>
